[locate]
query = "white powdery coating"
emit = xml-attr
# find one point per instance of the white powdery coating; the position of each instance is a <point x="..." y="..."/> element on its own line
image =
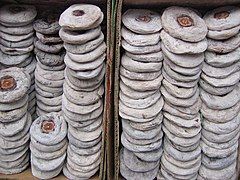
<point x="91" y="18"/>
<point x="131" y="20"/>
<point x="194" y="33"/>
<point x="223" y="23"/>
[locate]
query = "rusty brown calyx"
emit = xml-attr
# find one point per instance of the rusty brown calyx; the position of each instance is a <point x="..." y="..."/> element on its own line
<point x="7" y="83"/>
<point x="16" y="9"/>
<point x="78" y="13"/>
<point x="221" y="15"/>
<point x="143" y="18"/>
<point x="48" y="126"/>
<point x="185" y="21"/>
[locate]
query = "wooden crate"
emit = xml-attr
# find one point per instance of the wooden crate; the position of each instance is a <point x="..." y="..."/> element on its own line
<point x="157" y="5"/>
<point x="107" y="142"/>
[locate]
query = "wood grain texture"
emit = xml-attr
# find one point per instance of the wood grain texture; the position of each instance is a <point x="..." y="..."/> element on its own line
<point x="27" y="175"/>
<point x="42" y="2"/>
<point x="181" y="2"/>
<point x="109" y="93"/>
<point x="238" y="164"/>
<point x="117" y="126"/>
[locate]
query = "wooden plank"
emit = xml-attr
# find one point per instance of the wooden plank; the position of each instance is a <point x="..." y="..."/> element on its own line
<point x="27" y="175"/>
<point x="238" y="161"/>
<point x="117" y="127"/>
<point x="109" y="93"/>
<point x="59" y="2"/>
<point x="181" y="2"/>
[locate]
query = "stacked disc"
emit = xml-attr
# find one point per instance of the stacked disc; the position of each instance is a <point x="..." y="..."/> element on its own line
<point x="183" y="44"/>
<point x="16" y="41"/>
<point x="15" y="121"/>
<point x="30" y="69"/>
<point x="82" y="103"/>
<point x="48" y="145"/>
<point x="140" y="100"/>
<point x="49" y="73"/>
<point x="220" y="95"/>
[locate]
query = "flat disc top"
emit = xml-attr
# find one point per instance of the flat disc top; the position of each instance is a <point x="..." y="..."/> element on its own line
<point x="17" y="13"/>
<point x="142" y="21"/>
<point x="222" y="18"/>
<point x="80" y="17"/>
<point x="184" y="23"/>
<point x="14" y="84"/>
<point x="49" y="129"/>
